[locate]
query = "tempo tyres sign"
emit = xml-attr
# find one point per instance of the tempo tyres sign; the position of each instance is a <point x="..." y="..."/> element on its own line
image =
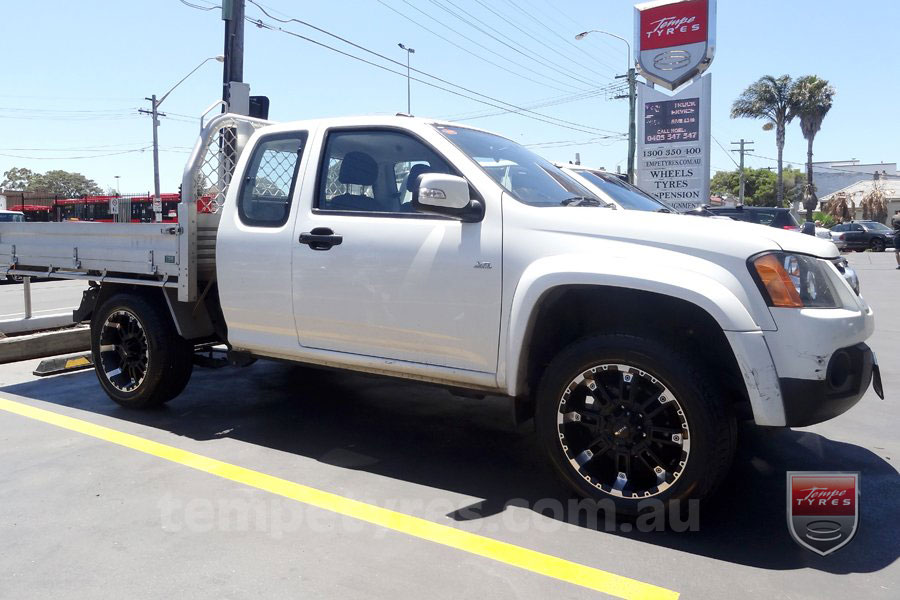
<point x="673" y="144"/>
<point x="675" y="39"/>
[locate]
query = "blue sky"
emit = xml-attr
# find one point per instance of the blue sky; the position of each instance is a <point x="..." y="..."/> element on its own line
<point x="75" y="74"/>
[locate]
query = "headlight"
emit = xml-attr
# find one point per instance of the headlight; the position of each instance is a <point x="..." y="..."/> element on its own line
<point x="794" y="281"/>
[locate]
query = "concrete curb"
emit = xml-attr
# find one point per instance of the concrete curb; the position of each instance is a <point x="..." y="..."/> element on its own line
<point x="54" y="321"/>
<point x="49" y="343"/>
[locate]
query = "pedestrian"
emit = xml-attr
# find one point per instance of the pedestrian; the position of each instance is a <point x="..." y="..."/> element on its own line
<point x="895" y="221"/>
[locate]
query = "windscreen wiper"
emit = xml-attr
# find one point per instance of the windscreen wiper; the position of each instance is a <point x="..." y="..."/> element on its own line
<point x="583" y="201"/>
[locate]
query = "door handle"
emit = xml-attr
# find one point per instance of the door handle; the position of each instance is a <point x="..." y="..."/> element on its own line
<point x="321" y="238"/>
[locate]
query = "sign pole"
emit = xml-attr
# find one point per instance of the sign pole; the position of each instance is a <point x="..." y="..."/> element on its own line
<point x="632" y="100"/>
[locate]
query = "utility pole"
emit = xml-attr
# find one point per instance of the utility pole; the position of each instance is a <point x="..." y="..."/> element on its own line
<point x="233" y="69"/>
<point x="155" y="114"/>
<point x="409" y="52"/>
<point x="744" y="148"/>
<point x="632" y="100"/>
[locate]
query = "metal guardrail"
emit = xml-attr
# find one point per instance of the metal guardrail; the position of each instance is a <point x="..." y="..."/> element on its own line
<point x="29" y="323"/>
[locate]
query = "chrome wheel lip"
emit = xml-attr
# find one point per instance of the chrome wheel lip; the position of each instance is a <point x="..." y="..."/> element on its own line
<point x="115" y="354"/>
<point x="617" y="487"/>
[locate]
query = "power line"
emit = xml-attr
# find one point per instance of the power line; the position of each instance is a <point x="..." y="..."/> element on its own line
<point x="803" y="164"/>
<point x="556" y="33"/>
<point x="261" y="24"/>
<point x="103" y="148"/>
<point x="491" y="101"/>
<point x="542" y="103"/>
<point x="75" y="157"/>
<point x="608" y="92"/>
<point x="601" y="141"/>
<point x="554" y="9"/>
<point x="494" y="52"/>
<point x="198" y="7"/>
<point x="372" y="52"/>
<point x="727" y="153"/>
<point x="512" y="24"/>
<point x="475" y="54"/>
<point x="534" y="57"/>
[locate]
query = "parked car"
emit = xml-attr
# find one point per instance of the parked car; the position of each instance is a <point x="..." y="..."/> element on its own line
<point x="635" y="340"/>
<point x="864" y="235"/>
<point x="809" y="228"/>
<point x="11" y="216"/>
<point x="825" y="234"/>
<point x="613" y="189"/>
<point x="761" y="215"/>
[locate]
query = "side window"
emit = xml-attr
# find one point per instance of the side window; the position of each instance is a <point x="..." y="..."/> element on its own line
<point x="373" y="170"/>
<point x="265" y="197"/>
<point x="839" y="228"/>
<point x="765" y="217"/>
<point x="856" y="227"/>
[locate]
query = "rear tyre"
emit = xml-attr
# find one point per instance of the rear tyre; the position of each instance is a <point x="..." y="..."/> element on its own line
<point x="627" y="419"/>
<point x="139" y="358"/>
<point x="877" y="245"/>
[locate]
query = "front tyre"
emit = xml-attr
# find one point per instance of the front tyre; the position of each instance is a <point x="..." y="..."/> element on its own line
<point x="627" y="419"/>
<point x="139" y="358"/>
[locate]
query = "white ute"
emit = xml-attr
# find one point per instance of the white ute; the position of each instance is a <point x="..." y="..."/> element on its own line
<point x="417" y="249"/>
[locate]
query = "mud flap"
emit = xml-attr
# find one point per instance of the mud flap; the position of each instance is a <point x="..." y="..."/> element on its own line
<point x="876" y="378"/>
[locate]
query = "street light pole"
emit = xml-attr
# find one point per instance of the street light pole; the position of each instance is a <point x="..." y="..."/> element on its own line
<point x="408" y="90"/>
<point x="631" y="75"/>
<point x="155" y="114"/>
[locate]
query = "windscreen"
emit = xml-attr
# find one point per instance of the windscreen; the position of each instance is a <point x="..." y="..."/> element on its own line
<point x="875" y="226"/>
<point x="628" y="196"/>
<point x="528" y="177"/>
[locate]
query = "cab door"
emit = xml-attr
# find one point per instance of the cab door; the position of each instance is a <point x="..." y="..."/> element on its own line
<point x="856" y="236"/>
<point x="253" y="245"/>
<point x="372" y="277"/>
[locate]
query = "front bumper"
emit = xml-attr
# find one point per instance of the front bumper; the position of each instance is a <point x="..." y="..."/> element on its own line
<point x="847" y="377"/>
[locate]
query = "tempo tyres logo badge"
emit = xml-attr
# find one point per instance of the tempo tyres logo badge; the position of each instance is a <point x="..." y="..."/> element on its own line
<point x="822" y="509"/>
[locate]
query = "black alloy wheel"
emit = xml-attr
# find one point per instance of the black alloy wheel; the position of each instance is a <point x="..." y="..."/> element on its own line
<point x="139" y="358"/>
<point x="633" y="419"/>
<point x="124" y="356"/>
<point x="623" y="431"/>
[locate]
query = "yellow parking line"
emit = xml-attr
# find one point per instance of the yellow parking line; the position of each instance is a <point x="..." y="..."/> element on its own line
<point x="510" y="554"/>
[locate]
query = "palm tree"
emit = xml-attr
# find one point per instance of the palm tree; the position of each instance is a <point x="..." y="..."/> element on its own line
<point x="812" y="98"/>
<point x="769" y="98"/>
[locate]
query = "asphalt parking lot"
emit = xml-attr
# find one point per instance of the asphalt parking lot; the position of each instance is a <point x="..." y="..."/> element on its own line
<point x="219" y="494"/>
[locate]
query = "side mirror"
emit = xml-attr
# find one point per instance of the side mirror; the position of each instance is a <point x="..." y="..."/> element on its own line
<point x="446" y="195"/>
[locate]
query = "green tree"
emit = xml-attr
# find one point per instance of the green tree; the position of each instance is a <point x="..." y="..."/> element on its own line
<point x="63" y="183"/>
<point x="812" y="98"/>
<point x="760" y="185"/>
<point x="17" y="179"/>
<point x="769" y="98"/>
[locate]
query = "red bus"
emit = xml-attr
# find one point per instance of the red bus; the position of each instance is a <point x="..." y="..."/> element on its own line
<point x="137" y="209"/>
